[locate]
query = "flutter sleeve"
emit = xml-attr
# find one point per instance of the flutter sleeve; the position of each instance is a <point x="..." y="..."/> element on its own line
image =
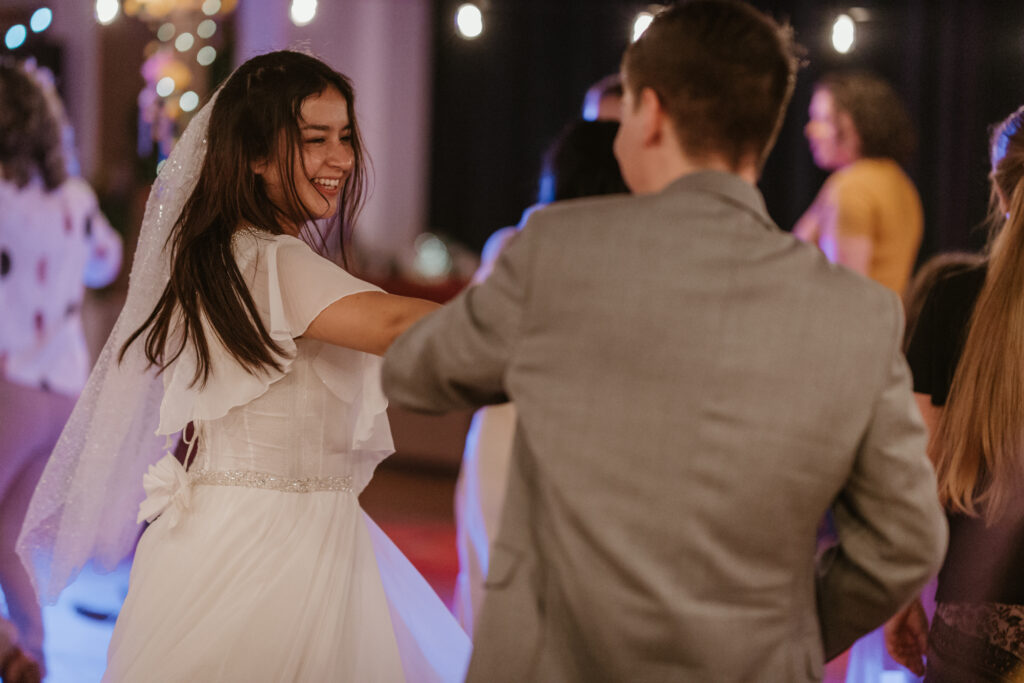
<point x="293" y="285"/>
<point x="290" y="285"/>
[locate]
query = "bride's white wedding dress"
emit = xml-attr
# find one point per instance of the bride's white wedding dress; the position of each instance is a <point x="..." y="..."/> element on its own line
<point x="260" y="564"/>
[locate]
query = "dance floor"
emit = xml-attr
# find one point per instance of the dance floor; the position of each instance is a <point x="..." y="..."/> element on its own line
<point x="413" y="505"/>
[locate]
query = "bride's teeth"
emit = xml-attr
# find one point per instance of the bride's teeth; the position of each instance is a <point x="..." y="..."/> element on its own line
<point x="326" y="182"/>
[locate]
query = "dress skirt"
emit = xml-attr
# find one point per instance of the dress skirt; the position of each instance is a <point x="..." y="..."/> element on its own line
<point x="252" y="584"/>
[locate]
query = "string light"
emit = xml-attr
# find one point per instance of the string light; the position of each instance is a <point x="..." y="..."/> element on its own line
<point x="206" y="55"/>
<point x="843" y="34"/>
<point x="107" y="10"/>
<point x="206" y="28"/>
<point x="165" y="32"/>
<point x="184" y="42"/>
<point x="165" y="86"/>
<point x="15" y="36"/>
<point x="40" y="20"/>
<point x="303" y="11"/>
<point x="188" y="101"/>
<point x="469" y="20"/>
<point x="640" y="24"/>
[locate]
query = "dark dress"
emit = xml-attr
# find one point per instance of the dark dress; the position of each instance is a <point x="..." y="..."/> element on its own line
<point x="978" y="630"/>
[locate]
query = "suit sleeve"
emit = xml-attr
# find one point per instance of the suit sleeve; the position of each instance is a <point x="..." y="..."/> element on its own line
<point x="456" y="357"/>
<point x="892" y="530"/>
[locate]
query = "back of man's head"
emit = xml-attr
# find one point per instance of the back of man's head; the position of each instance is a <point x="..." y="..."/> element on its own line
<point x="723" y="71"/>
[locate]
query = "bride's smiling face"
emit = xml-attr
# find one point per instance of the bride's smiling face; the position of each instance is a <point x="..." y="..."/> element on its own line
<point x="322" y="163"/>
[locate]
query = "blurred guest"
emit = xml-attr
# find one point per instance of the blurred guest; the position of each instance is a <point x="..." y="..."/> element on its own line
<point x="580" y="163"/>
<point x="53" y="243"/>
<point x="15" y="665"/>
<point x="603" y="100"/>
<point x="968" y="380"/>
<point x="867" y="216"/>
<point x="937" y="268"/>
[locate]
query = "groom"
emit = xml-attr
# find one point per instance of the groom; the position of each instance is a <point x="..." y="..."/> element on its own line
<point x="695" y="389"/>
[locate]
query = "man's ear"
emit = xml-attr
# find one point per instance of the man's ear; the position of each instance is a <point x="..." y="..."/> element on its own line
<point x="652" y="116"/>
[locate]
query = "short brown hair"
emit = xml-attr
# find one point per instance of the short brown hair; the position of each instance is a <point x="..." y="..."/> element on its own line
<point x="879" y="117"/>
<point x="722" y="70"/>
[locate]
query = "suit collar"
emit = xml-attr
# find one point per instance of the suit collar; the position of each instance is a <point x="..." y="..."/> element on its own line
<point x="729" y="186"/>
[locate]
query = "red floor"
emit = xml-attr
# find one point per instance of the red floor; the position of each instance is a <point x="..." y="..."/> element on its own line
<point x="414" y="507"/>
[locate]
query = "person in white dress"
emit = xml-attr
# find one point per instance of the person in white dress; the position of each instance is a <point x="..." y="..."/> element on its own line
<point x="54" y="242"/>
<point x="259" y="563"/>
<point x="579" y="163"/>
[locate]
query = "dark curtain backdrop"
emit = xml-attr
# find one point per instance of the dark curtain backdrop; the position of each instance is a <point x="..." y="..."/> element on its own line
<point x="501" y="99"/>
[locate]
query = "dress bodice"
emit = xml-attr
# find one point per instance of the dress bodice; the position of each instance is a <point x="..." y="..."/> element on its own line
<point x="321" y="415"/>
<point x="298" y="429"/>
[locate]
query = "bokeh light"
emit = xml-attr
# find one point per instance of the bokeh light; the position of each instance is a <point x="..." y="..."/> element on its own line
<point x="843" y="34"/>
<point x="206" y="55"/>
<point x="303" y="11"/>
<point x="469" y="20"/>
<point x="166" y="31"/>
<point x="107" y="11"/>
<point x="640" y="24"/>
<point x="206" y="28"/>
<point x="432" y="258"/>
<point x="189" y="100"/>
<point x="41" y="19"/>
<point x="211" y="7"/>
<point x="184" y="42"/>
<point x="165" y="86"/>
<point x="15" y="36"/>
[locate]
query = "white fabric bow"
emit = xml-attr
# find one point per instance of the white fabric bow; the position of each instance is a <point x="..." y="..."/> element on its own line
<point x="167" y="490"/>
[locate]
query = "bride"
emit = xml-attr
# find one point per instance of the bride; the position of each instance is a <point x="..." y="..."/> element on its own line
<point x="259" y="563"/>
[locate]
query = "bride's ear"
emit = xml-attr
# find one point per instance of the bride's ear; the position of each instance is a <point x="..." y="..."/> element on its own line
<point x="259" y="167"/>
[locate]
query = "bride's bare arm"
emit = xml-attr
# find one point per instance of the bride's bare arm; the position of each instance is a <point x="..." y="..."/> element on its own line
<point x="368" y="321"/>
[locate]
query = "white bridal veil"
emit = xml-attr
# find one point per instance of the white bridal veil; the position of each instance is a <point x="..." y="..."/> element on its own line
<point x="86" y="502"/>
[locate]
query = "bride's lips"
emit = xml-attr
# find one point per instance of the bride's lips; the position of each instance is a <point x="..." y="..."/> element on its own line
<point x="329" y="186"/>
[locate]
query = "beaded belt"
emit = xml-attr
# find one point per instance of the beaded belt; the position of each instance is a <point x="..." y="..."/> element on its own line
<point x="262" y="480"/>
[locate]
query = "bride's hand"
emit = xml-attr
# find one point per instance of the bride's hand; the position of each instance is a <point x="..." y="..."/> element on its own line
<point x="906" y="637"/>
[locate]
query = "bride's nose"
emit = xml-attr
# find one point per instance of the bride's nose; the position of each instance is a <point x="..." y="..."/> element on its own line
<point x="342" y="157"/>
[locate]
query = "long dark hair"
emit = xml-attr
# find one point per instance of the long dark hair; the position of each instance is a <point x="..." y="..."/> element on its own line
<point x="254" y="119"/>
<point x="581" y="163"/>
<point x="30" y="133"/>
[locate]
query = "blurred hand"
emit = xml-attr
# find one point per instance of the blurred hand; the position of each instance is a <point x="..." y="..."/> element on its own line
<point x="18" y="667"/>
<point x="906" y="637"/>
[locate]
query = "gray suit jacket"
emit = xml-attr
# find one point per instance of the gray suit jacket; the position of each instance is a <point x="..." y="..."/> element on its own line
<point x="695" y="389"/>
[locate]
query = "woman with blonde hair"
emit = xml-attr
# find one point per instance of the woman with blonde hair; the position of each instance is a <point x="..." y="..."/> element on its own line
<point x="967" y="357"/>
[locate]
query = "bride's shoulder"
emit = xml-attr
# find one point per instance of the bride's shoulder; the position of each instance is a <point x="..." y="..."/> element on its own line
<point x="250" y="240"/>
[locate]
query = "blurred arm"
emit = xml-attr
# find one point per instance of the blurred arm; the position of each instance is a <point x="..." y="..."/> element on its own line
<point x="854" y="217"/>
<point x="105" y="247"/>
